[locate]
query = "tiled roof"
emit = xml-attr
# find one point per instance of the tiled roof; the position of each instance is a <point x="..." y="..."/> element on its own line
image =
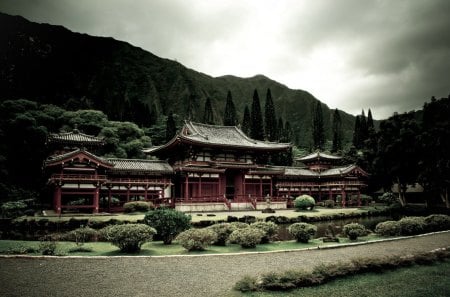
<point x="73" y="154"/>
<point x="319" y="155"/>
<point x="295" y="171"/>
<point x="223" y="136"/>
<point x="74" y="137"/>
<point x="141" y="165"/>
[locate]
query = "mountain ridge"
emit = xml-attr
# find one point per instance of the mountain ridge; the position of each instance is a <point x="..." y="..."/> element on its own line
<point x="51" y="64"/>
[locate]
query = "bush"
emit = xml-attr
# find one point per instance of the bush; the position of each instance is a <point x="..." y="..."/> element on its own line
<point x="354" y="230"/>
<point x="388" y="228"/>
<point x="81" y="235"/>
<point x="247" y="237"/>
<point x="222" y="231"/>
<point x="239" y="225"/>
<point x="389" y="198"/>
<point x="329" y="203"/>
<point x="135" y="206"/>
<point x="270" y="230"/>
<point x="302" y="231"/>
<point x="304" y="202"/>
<point x="13" y="209"/>
<point x="167" y="222"/>
<point x="196" y="239"/>
<point x="128" y="237"/>
<point x="437" y="222"/>
<point x="412" y="225"/>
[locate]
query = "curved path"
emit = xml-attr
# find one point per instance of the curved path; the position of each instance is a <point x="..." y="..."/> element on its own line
<point x="212" y="275"/>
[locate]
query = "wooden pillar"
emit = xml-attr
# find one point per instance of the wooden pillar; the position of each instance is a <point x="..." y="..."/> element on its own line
<point x="359" y="198"/>
<point x="260" y="186"/>
<point x="57" y="199"/>
<point x="186" y="187"/>
<point x="343" y="197"/>
<point x="128" y="193"/>
<point x="109" y="198"/>
<point x="200" y="186"/>
<point x="96" y="199"/>
<point x="271" y="186"/>
<point x="330" y="194"/>
<point x="320" y="194"/>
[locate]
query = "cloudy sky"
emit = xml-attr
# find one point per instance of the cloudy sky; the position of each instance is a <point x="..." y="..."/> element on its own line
<point x="351" y="54"/>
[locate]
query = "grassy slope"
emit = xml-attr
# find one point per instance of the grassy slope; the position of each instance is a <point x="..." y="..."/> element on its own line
<point x="416" y="281"/>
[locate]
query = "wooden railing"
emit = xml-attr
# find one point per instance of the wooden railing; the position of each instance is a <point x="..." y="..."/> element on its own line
<point x="78" y="177"/>
<point x="322" y="184"/>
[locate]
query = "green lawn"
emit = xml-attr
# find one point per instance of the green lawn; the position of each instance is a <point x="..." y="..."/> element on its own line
<point x="416" y="281"/>
<point x="157" y="248"/>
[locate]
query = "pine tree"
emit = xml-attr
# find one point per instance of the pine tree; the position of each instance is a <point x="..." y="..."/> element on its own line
<point x="357" y="133"/>
<point x="246" y="121"/>
<point x="318" y="132"/>
<point x="270" y="119"/>
<point x="230" y="117"/>
<point x="363" y="135"/>
<point x="257" y="129"/>
<point x="208" y="116"/>
<point x="280" y="130"/>
<point x="370" y="121"/>
<point x="171" y="127"/>
<point x="337" y="132"/>
<point x="288" y="132"/>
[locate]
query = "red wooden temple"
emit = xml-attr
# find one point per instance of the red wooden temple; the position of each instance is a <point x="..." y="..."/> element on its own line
<point x="206" y="168"/>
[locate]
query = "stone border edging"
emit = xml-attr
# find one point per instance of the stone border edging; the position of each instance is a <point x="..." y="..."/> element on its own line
<point x="334" y="246"/>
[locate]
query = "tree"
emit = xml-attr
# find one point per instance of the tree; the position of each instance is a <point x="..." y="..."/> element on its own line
<point x="318" y="133"/>
<point x="167" y="222"/>
<point x="280" y="130"/>
<point x="270" y="119"/>
<point x="337" y="132"/>
<point x="370" y="125"/>
<point x="230" y="117"/>
<point x="246" y="121"/>
<point x="357" y="133"/>
<point x="208" y="116"/>
<point x="171" y="128"/>
<point x="256" y="128"/>
<point x="363" y="132"/>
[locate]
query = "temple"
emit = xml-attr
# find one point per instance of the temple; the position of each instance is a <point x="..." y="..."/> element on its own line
<point x="202" y="168"/>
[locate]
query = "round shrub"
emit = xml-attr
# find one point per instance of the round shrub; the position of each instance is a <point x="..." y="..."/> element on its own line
<point x="329" y="203"/>
<point x="388" y="228"/>
<point x="437" y="222"/>
<point x="302" y="231"/>
<point x="247" y="237"/>
<point x="304" y="202"/>
<point x="128" y="237"/>
<point x="82" y="235"/>
<point x="270" y="230"/>
<point x="239" y="225"/>
<point x="167" y="222"/>
<point x="354" y="230"/>
<point x="196" y="239"/>
<point x="412" y="225"/>
<point x="134" y="206"/>
<point x="222" y="231"/>
<point x="389" y="198"/>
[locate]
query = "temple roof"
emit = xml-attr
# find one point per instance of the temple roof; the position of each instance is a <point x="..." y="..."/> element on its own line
<point x="161" y="167"/>
<point x="338" y="171"/>
<point x="74" y="137"/>
<point x="78" y="154"/>
<point x="318" y="156"/>
<point x="218" y="136"/>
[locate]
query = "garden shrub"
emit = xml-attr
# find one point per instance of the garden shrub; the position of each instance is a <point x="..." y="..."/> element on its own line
<point x="246" y="284"/>
<point x="239" y="225"/>
<point x="134" y="206"/>
<point x="47" y="245"/>
<point x="128" y="237"/>
<point x="304" y="202"/>
<point x="222" y="231"/>
<point x="196" y="239"/>
<point x="389" y="198"/>
<point x="167" y="222"/>
<point x="354" y="230"/>
<point x="302" y="231"/>
<point x="247" y="237"/>
<point x="412" y="225"/>
<point x="437" y="222"/>
<point x="270" y="230"/>
<point x="13" y="209"/>
<point x="82" y="235"/>
<point x="329" y="203"/>
<point x="388" y="228"/>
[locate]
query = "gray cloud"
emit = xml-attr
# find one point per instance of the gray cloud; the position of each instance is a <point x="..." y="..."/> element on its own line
<point x="386" y="55"/>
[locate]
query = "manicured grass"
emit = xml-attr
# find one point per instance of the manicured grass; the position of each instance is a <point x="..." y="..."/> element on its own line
<point x="157" y="248"/>
<point x="415" y="281"/>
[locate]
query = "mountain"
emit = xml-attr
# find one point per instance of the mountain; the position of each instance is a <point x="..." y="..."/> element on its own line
<point x="51" y="64"/>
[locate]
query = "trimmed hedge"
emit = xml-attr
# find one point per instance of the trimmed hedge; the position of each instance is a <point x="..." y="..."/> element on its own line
<point x="196" y="239"/>
<point x="388" y="228"/>
<point x="354" y="230"/>
<point x="304" y="202"/>
<point x="414" y="225"/>
<point x="222" y="231"/>
<point x="270" y="229"/>
<point x="167" y="222"/>
<point x="137" y="206"/>
<point x="247" y="237"/>
<point x="302" y="231"/>
<point x="128" y="237"/>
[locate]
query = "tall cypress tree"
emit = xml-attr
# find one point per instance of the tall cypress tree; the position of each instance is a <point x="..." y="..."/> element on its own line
<point x="280" y="130"/>
<point x="370" y="120"/>
<point x="257" y="129"/>
<point x="171" y="127"/>
<point x="208" y="116"/>
<point x="270" y="120"/>
<point x="337" y="132"/>
<point x="246" y="121"/>
<point x="363" y="131"/>
<point x="318" y="132"/>
<point x="357" y="133"/>
<point x="230" y="117"/>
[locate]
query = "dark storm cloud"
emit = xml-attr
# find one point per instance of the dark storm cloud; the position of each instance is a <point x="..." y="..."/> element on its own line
<point x="352" y="54"/>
